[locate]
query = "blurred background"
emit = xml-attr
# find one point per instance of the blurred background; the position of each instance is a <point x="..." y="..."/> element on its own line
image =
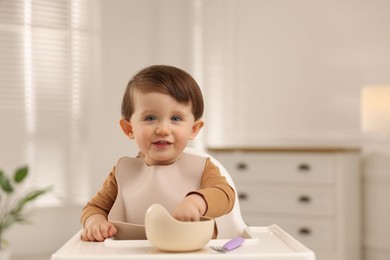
<point x="274" y="73"/>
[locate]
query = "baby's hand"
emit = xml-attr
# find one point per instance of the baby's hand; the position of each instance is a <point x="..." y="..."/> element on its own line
<point x="97" y="228"/>
<point x="191" y="208"/>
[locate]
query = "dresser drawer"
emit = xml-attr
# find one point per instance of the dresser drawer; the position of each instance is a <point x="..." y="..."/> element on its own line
<point x="301" y="167"/>
<point x="317" y="234"/>
<point x="286" y="199"/>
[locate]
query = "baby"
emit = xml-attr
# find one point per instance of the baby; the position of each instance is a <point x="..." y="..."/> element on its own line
<point x="162" y="111"/>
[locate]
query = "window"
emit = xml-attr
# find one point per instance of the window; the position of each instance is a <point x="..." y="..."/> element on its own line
<point x="45" y="67"/>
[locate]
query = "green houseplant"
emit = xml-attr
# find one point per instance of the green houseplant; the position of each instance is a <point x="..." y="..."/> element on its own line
<point x="13" y="200"/>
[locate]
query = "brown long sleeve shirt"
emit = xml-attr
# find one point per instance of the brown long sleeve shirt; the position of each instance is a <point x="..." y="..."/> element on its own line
<point x="217" y="193"/>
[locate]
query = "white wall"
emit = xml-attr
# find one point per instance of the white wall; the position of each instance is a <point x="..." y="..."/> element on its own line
<point x="48" y="230"/>
<point x="290" y="72"/>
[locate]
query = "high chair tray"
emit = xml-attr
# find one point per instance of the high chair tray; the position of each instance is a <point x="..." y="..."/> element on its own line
<point x="271" y="243"/>
<point x="250" y="239"/>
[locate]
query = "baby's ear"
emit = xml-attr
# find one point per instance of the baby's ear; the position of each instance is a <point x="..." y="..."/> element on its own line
<point x="196" y="128"/>
<point x="126" y="128"/>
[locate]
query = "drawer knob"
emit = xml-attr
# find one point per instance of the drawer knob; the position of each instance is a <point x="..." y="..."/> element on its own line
<point x="242" y="166"/>
<point x="304" y="199"/>
<point x="242" y="196"/>
<point x="304" y="167"/>
<point x="305" y="231"/>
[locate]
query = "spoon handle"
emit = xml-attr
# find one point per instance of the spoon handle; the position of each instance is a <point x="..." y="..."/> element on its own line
<point x="234" y="243"/>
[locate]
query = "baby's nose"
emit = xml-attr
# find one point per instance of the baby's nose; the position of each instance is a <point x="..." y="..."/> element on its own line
<point x="163" y="129"/>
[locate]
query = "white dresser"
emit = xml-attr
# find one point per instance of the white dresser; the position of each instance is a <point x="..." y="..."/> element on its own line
<point x="314" y="194"/>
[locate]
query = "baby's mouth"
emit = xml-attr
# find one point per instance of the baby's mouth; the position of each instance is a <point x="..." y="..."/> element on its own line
<point x="161" y="143"/>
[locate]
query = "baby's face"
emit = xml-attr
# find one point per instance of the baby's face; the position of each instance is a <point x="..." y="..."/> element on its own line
<point x="162" y="127"/>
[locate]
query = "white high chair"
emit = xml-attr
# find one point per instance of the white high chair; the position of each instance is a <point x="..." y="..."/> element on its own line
<point x="275" y="243"/>
<point x="231" y="224"/>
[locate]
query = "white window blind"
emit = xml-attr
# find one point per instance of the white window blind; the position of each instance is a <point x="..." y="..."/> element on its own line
<point x="45" y="58"/>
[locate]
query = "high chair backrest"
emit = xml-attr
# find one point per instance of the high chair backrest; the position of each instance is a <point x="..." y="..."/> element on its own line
<point x="231" y="224"/>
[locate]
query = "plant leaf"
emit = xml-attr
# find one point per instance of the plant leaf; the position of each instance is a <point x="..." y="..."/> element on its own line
<point x="20" y="174"/>
<point x="5" y="183"/>
<point x="32" y="195"/>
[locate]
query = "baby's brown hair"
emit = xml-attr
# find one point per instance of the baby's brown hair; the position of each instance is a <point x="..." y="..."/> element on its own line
<point x="166" y="80"/>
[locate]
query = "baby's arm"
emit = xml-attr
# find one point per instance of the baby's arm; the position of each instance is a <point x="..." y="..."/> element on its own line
<point x="216" y="192"/>
<point x="191" y="208"/>
<point x="215" y="197"/>
<point x="94" y="214"/>
<point x="97" y="228"/>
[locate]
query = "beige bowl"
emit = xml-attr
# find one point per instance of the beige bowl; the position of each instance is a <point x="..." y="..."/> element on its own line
<point x="168" y="234"/>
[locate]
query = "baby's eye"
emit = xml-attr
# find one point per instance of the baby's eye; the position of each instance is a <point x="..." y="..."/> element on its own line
<point x="150" y="118"/>
<point x="176" y="118"/>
